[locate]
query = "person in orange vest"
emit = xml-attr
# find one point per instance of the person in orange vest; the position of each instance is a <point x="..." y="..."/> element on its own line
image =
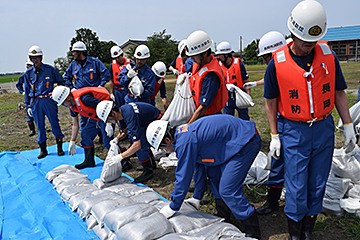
<point x="159" y="69"/>
<point x="235" y="74"/>
<point x="117" y="92"/>
<point x="182" y="63"/>
<point x="304" y="82"/>
<point x="83" y="101"/>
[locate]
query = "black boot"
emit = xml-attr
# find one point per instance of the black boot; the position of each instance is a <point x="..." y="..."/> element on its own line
<point x="147" y="173"/>
<point x="223" y="210"/>
<point x="307" y="227"/>
<point x="126" y="164"/>
<point x="294" y="229"/>
<point x="43" y="151"/>
<point x="152" y="160"/>
<point x="272" y="202"/>
<point x="89" y="159"/>
<point x="32" y="129"/>
<point x="100" y="137"/>
<point x="251" y="225"/>
<point x="59" y="143"/>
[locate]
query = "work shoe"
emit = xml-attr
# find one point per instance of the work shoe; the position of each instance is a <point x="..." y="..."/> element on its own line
<point x="272" y="202"/>
<point x="43" y="151"/>
<point x="223" y="210"/>
<point x="126" y="164"/>
<point x="308" y="223"/>
<point x="251" y="226"/>
<point x="89" y="159"/>
<point x="59" y="143"/>
<point x="147" y="173"/>
<point x="295" y="229"/>
<point x="32" y="129"/>
<point x="100" y="137"/>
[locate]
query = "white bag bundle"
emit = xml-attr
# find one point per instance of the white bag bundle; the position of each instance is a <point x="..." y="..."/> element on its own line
<point x="73" y="190"/>
<point x="60" y="170"/>
<point x="347" y="165"/>
<point x="182" y="106"/>
<point x="67" y="176"/>
<point x="336" y="187"/>
<point x="220" y="230"/>
<point x="351" y="205"/>
<point x="113" y="151"/>
<point x="355" y="118"/>
<point x="111" y="170"/>
<point x="126" y="214"/>
<point x="354" y="191"/>
<point x="102" y="185"/>
<point x="151" y="227"/>
<point x="257" y="173"/>
<point x="332" y="206"/>
<point x="135" y="86"/>
<point x="76" y="199"/>
<point x="243" y="100"/>
<point x="145" y="197"/>
<point x="73" y="182"/>
<point x="128" y="189"/>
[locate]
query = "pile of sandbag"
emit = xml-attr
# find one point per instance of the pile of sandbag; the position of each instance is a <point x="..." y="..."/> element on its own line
<point x="119" y="209"/>
<point x="343" y="186"/>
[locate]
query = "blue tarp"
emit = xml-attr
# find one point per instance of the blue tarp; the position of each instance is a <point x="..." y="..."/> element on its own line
<point x="30" y="208"/>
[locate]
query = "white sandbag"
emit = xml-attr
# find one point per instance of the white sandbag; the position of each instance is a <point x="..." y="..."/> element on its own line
<point x="169" y="161"/>
<point x="243" y="100"/>
<point x="220" y="230"/>
<point x="336" y="188"/>
<point x="257" y="174"/>
<point x="332" y="206"/>
<point x="135" y="86"/>
<point x="113" y="150"/>
<point x="128" y="189"/>
<point x="121" y="216"/>
<point x="112" y="236"/>
<point x="146" y="228"/>
<point x="67" y="176"/>
<point x="73" y="190"/>
<point x="102" y="185"/>
<point x="60" y="170"/>
<point x="111" y="170"/>
<point x="354" y="191"/>
<point x="73" y="182"/>
<point x="346" y="165"/>
<point x="100" y="232"/>
<point x="190" y="221"/>
<point x="76" y="199"/>
<point x="180" y="236"/>
<point x="145" y="197"/>
<point x="100" y="209"/>
<point x="182" y="106"/>
<point x="351" y="205"/>
<point x="185" y="207"/>
<point x="355" y="118"/>
<point x="91" y="222"/>
<point x="98" y="196"/>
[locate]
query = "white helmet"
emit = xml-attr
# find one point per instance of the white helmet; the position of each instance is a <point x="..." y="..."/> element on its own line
<point x="142" y="52"/>
<point x="35" y="51"/>
<point x="270" y="42"/>
<point x="181" y="46"/>
<point x="159" y="69"/>
<point x="155" y="132"/>
<point x="103" y="109"/>
<point x="28" y="62"/>
<point x="224" y="48"/>
<point x="198" y="42"/>
<point x="78" y="46"/>
<point x="115" y="51"/>
<point x="60" y="93"/>
<point x="307" y="21"/>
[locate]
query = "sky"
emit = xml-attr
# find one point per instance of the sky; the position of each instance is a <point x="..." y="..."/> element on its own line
<point x="51" y="24"/>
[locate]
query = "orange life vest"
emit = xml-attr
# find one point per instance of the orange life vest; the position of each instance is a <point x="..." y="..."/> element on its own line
<point x="196" y="80"/>
<point x="117" y="68"/>
<point x="305" y="96"/>
<point x="180" y="65"/>
<point x="233" y="73"/>
<point x="157" y="86"/>
<point x="87" y="111"/>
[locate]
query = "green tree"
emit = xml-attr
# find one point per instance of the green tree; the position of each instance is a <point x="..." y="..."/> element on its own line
<point x="251" y="51"/>
<point x="61" y="64"/>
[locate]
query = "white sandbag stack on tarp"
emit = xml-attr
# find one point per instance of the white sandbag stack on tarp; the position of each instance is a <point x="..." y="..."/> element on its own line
<point x="243" y="100"/>
<point x="355" y="118"/>
<point x="182" y="106"/>
<point x="128" y="189"/>
<point x="60" y="170"/>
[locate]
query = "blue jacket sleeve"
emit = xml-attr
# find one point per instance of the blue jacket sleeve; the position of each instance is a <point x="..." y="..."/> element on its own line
<point x="199" y="181"/>
<point x="20" y="83"/>
<point x="149" y="85"/>
<point x="124" y="80"/>
<point x="162" y="90"/>
<point x="68" y="77"/>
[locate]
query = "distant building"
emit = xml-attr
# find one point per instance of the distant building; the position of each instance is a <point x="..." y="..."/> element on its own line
<point x="345" y="41"/>
<point x="130" y="43"/>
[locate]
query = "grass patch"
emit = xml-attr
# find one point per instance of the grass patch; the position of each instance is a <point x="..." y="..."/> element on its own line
<point x="12" y="78"/>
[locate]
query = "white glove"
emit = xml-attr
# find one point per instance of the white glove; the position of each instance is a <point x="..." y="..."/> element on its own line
<point x="176" y="72"/>
<point x="193" y="202"/>
<point x="112" y="97"/>
<point x="29" y="112"/>
<point x="114" y="141"/>
<point x="357" y="129"/>
<point x="72" y="148"/>
<point x="109" y="130"/>
<point x="167" y="211"/>
<point x="114" y="160"/>
<point x="132" y="73"/>
<point x="74" y="89"/>
<point x="350" y="139"/>
<point x="181" y="79"/>
<point x="230" y="87"/>
<point x="23" y="93"/>
<point x="249" y="85"/>
<point x="275" y="146"/>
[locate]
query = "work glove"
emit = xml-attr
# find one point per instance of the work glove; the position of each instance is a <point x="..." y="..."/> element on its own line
<point x="114" y="141"/>
<point x="275" y="146"/>
<point x="230" y="87"/>
<point x="181" y="79"/>
<point x="23" y="93"/>
<point x="29" y="112"/>
<point x="132" y="73"/>
<point x="193" y="202"/>
<point x="176" y="72"/>
<point x="72" y="148"/>
<point x="249" y="85"/>
<point x="109" y="129"/>
<point x="357" y="129"/>
<point x="112" y="97"/>
<point x="350" y="139"/>
<point x="73" y="89"/>
<point x="114" y="160"/>
<point x="167" y="211"/>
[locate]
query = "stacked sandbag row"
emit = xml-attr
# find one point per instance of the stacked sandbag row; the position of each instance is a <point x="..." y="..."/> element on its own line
<point x="122" y="210"/>
<point x="343" y="185"/>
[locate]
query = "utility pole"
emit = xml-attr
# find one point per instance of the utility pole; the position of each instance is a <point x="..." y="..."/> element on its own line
<point x="240" y="45"/>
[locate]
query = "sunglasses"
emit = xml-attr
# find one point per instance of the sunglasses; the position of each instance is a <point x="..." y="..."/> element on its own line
<point x="34" y="58"/>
